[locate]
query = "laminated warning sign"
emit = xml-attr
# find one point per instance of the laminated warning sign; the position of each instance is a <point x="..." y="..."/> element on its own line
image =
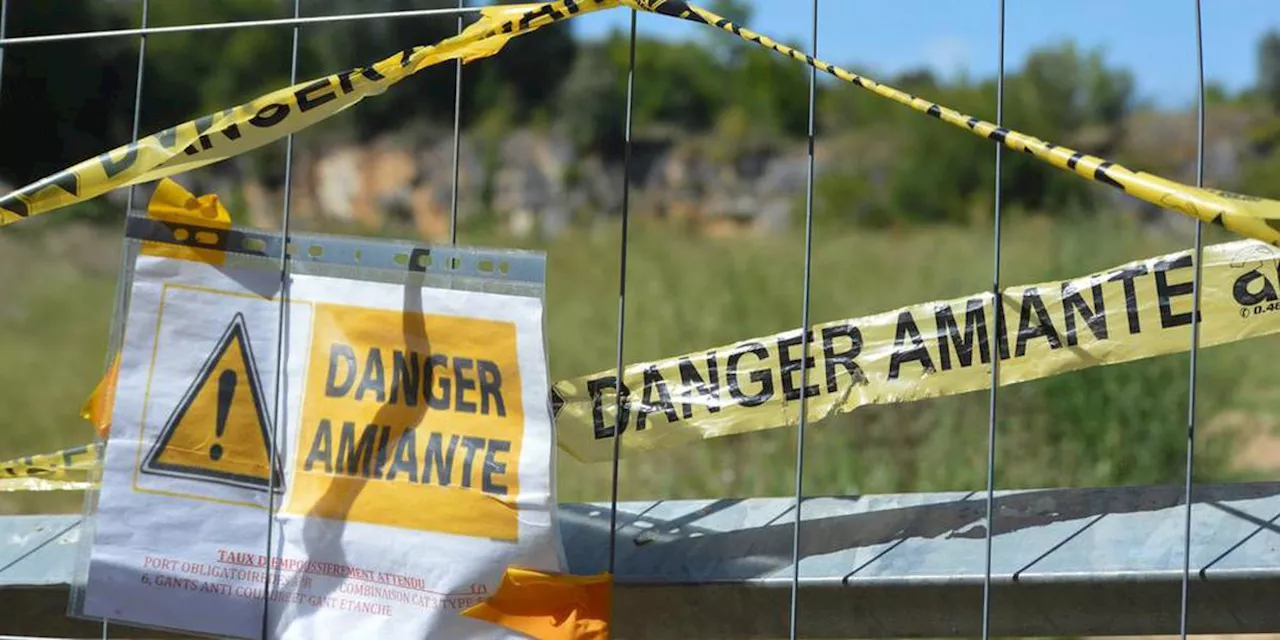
<point x="320" y="456"/>
<point x="186" y="446"/>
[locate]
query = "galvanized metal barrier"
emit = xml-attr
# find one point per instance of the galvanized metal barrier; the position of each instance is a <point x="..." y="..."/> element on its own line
<point x="1069" y="562"/>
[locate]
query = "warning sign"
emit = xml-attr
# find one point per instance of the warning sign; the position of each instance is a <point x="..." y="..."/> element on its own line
<point x="219" y="432"/>
<point x="207" y="389"/>
<point x="423" y="422"/>
<point x="412" y="446"/>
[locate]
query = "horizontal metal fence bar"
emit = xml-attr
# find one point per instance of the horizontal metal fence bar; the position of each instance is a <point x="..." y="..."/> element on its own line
<point x="220" y="26"/>
<point x="1066" y="562"/>
<point x="508" y="265"/>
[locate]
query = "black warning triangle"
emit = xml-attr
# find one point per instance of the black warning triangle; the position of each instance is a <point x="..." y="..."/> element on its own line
<point x="220" y="430"/>
<point x="557" y="402"/>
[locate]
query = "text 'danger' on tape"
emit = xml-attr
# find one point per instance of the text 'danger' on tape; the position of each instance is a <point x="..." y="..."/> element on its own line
<point x="218" y="136"/>
<point x="1137" y="310"/>
<point x="1134" y="311"/>
<point x="233" y="131"/>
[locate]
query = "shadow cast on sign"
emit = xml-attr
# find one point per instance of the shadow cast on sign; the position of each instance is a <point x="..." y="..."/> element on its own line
<point x="326" y="522"/>
<point x="678" y="550"/>
<point x="260" y="275"/>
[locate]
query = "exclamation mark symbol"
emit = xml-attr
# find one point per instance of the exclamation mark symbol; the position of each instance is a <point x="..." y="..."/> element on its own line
<point x="226" y="391"/>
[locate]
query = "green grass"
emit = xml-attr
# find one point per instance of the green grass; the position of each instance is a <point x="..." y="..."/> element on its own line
<point x="1112" y="425"/>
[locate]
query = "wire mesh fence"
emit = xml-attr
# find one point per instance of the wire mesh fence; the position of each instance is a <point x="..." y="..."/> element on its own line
<point x="635" y="300"/>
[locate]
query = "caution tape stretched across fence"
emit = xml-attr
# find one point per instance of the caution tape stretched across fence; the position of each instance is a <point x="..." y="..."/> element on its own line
<point x="231" y="132"/>
<point x="270" y="117"/>
<point x="1134" y="311"/>
<point x="1248" y="216"/>
<point x="69" y="469"/>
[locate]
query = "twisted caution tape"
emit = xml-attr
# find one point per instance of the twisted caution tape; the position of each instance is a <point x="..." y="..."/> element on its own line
<point x="270" y="117"/>
<point x="69" y="469"/>
<point x="912" y="353"/>
<point x="1134" y="311"/>
<point x="1248" y="216"/>
<point x="72" y="469"/>
<point x="218" y="136"/>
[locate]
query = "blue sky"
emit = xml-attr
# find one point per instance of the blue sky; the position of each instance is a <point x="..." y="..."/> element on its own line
<point x="1155" y="39"/>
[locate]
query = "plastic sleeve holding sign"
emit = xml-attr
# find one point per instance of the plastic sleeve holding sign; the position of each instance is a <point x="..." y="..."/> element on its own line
<point x="1137" y="310"/>
<point x="149" y="240"/>
<point x="383" y="398"/>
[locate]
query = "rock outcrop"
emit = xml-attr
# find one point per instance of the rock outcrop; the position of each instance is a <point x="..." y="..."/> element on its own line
<point x="535" y="183"/>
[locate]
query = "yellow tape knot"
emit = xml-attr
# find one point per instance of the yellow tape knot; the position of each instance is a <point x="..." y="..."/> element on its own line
<point x="550" y="606"/>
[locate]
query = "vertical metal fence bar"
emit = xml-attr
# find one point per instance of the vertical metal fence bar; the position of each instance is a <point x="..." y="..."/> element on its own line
<point x="281" y="330"/>
<point x="137" y="94"/>
<point x="618" y="423"/>
<point x="457" y="139"/>
<point x="804" y="335"/>
<point x="4" y="21"/>
<point x="1195" y="333"/>
<point x="997" y="300"/>
<point x="122" y="289"/>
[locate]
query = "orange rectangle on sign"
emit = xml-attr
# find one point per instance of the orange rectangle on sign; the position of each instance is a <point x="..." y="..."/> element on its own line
<point x="412" y="421"/>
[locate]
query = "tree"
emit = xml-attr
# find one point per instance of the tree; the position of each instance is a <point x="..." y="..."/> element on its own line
<point x="1060" y="90"/>
<point x="426" y="95"/>
<point x="774" y="92"/>
<point x="675" y="82"/>
<point x="534" y="66"/>
<point x="591" y="102"/>
<point x="65" y="102"/>
<point x="941" y="173"/>
<point x="1058" y="95"/>
<point x="190" y="74"/>
<point x="1269" y="68"/>
<point x="726" y="47"/>
<point x="737" y="11"/>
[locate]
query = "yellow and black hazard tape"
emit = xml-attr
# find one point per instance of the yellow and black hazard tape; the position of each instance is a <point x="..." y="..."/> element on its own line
<point x="219" y="136"/>
<point x="1141" y="309"/>
<point x="69" y="469"/>
<point x="749" y="385"/>
<point x="1248" y="216"/>
<point x="1132" y="311"/>
<point x="231" y="132"/>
